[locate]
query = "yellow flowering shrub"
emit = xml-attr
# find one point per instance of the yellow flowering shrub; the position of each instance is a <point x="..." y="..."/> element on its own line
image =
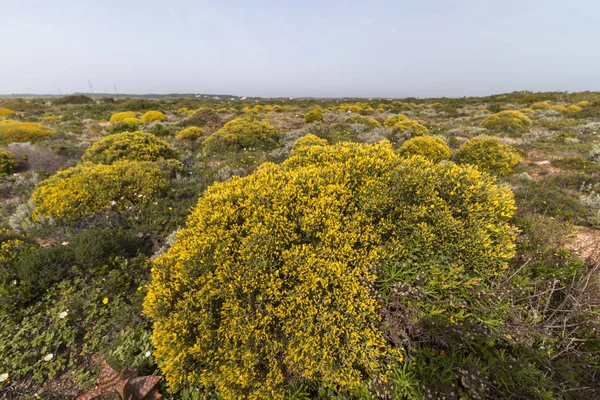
<point x="6" y="112"/>
<point x="313" y="115"/>
<point x="489" y="155"/>
<point x="120" y="116"/>
<point x="511" y="121"/>
<point x="17" y="131"/>
<point x="191" y="133"/>
<point x="88" y="188"/>
<point x="430" y="147"/>
<point x="306" y="141"/>
<point x="273" y="280"/>
<point x="573" y="109"/>
<point x="361" y="119"/>
<point x="240" y="133"/>
<point x="152" y="116"/>
<point x="135" y="146"/>
<point x="401" y="123"/>
<point x="541" y="105"/>
<point x="558" y="107"/>
<point x="584" y="103"/>
<point x="8" y="163"/>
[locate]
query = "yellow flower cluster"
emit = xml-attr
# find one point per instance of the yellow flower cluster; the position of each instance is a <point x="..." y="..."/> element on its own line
<point x="510" y="121"/>
<point x="135" y="146"/>
<point x="191" y="133"/>
<point x="17" y="131"/>
<point x="242" y="133"/>
<point x="152" y="116"/>
<point x="121" y="116"/>
<point x="401" y="123"/>
<point x="489" y="155"/>
<point x="273" y="278"/>
<point x="430" y="147"/>
<point x="88" y="188"/>
<point x="8" y="163"/>
<point x="306" y="141"/>
<point x="6" y="111"/>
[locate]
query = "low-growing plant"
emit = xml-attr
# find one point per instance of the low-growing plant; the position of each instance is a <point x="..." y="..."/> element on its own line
<point x="489" y="155"/>
<point x="510" y="121"/>
<point x="8" y="163"/>
<point x="242" y="133"/>
<point x="431" y="147"/>
<point x="88" y="188"/>
<point x="152" y="116"/>
<point x="17" y="131"/>
<point x="134" y="146"/>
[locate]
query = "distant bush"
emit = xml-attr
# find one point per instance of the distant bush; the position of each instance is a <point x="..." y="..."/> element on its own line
<point x="73" y="99"/>
<point x="152" y="116"/>
<point x="8" y="163"/>
<point x="541" y="105"/>
<point x="361" y="119"/>
<point x="510" y="121"/>
<point x="585" y="103"/>
<point x="134" y="146"/>
<point x="276" y="277"/>
<point x="4" y="112"/>
<point x="120" y="116"/>
<point x="125" y="125"/>
<point x="203" y="117"/>
<point x="16" y="131"/>
<point x="313" y="115"/>
<point x="430" y="147"/>
<point x="401" y="123"/>
<point x="305" y="142"/>
<point x="88" y="188"/>
<point x="489" y="155"/>
<point x="189" y="134"/>
<point x="573" y="109"/>
<point x="242" y="133"/>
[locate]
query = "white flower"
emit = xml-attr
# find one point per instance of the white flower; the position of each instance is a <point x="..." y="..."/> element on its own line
<point x="113" y="203"/>
<point x="65" y="243"/>
<point x="147" y="354"/>
<point x="48" y="357"/>
<point x="3" y="377"/>
<point x="63" y="314"/>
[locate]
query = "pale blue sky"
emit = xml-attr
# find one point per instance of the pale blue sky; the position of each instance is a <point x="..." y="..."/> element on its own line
<point x="300" y="48"/>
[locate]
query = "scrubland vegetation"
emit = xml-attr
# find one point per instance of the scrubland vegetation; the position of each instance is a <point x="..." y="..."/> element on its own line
<point x="301" y="249"/>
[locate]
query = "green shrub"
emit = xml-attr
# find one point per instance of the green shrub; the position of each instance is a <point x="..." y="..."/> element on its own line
<point x="120" y="116"/>
<point x="16" y="131"/>
<point x="576" y="164"/>
<point x="361" y="119"/>
<point x="134" y="146"/>
<point x="125" y="125"/>
<point x="152" y="116"/>
<point x="242" y="133"/>
<point x="8" y="163"/>
<point x="489" y="155"/>
<point x="510" y="121"/>
<point x="96" y="247"/>
<point x="272" y="281"/>
<point x="73" y="99"/>
<point x="88" y="188"/>
<point x="431" y="147"/>
<point x="401" y="123"/>
<point x="190" y="134"/>
<point x="313" y="115"/>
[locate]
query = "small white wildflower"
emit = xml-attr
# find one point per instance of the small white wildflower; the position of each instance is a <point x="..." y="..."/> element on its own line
<point x="65" y="243"/>
<point x="147" y="354"/>
<point x="3" y="377"/>
<point x="48" y="357"/>
<point x="113" y="203"/>
<point x="15" y="282"/>
<point x="63" y="314"/>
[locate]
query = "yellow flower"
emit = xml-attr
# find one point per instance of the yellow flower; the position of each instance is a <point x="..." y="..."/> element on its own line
<point x="105" y="300"/>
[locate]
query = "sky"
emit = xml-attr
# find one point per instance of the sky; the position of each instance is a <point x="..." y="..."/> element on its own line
<point x="318" y="48"/>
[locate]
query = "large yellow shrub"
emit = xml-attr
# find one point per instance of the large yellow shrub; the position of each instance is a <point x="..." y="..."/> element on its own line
<point x="541" y="105"/>
<point x="190" y="134"/>
<point x="152" y="116"/>
<point x="430" y="147"/>
<point x="401" y="123"/>
<point x="511" y="121"/>
<point x="8" y="163"/>
<point x="306" y="141"/>
<point x="120" y="116"/>
<point x="273" y="279"/>
<point x="88" y="188"/>
<point x="17" y="131"/>
<point x="6" y="112"/>
<point x="240" y="133"/>
<point x="135" y="146"/>
<point x="489" y="155"/>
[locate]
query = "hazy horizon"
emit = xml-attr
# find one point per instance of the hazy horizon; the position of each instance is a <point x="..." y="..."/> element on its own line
<point x="282" y="49"/>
